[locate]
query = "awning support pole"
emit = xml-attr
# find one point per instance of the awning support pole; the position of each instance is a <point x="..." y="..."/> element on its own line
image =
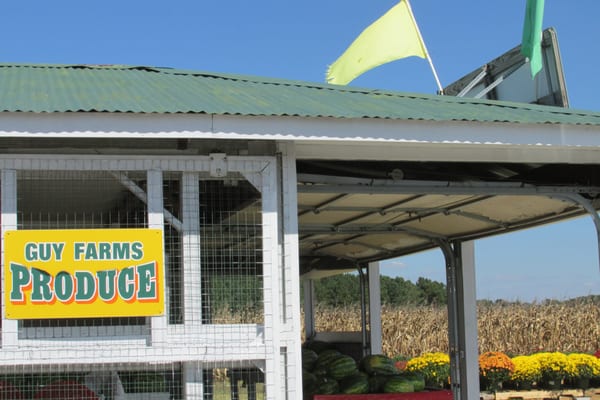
<point x="462" y="318"/>
<point x="375" y="338"/>
<point x="363" y="311"/>
<point x="587" y="206"/>
<point x="309" y="308"/>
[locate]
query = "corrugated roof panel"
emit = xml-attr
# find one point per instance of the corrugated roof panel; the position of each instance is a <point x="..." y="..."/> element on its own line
<point x="509" y="209"/>
<point x="89" y="88"/>
<point x="449" y="225"/>
<point x="393" y="242"/>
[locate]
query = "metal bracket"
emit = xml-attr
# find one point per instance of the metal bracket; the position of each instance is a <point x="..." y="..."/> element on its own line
<point x="218" y="165"/>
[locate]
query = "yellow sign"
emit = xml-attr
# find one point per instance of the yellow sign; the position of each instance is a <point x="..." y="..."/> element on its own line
<point x="76" y="273"/>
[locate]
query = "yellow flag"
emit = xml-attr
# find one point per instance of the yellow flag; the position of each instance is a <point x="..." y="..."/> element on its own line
<point x="393" y="36"/>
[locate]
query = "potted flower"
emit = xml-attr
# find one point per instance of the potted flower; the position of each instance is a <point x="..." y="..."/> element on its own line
<point x="554" y="368"/>
<point x="527" y="372"/>
<point x="595" y="380"/>
<point x="581" y="368"/>
<point x="495" y="367"/>
<point x="434" y="367"/>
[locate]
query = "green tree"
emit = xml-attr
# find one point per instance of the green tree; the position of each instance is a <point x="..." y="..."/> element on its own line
<point x="344" y="289"/>
<point x="432" y="292"/>
<point x="399" y="291"/>
<point x="338" y="290"/>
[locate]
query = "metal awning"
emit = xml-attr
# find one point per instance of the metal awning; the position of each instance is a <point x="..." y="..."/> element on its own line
<point x="355" y="213"/>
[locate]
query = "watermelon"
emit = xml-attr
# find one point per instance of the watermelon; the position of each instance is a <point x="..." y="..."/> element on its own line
<point x="309" y="381"/>
<point x="326" y="357"/>
<point x="376" y="383"/>
<point x="398" y="384"/>
<point x="328" y="386"/>
<point x="355" y="384"/>
<point x="309" y="385"/>
<point x="342" y="367"/>
<point x="417" y="380"/>
<point x="320" y="371"/>
<point x="309" y="358"/>
<point x="317" y="346"/>
<point x="378" y="364"/>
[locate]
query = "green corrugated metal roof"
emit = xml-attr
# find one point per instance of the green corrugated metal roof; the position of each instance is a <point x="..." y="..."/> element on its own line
<point x="131" y="89"/>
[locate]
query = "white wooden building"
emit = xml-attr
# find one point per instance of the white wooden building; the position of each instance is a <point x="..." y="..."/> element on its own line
<point x="253" y="182"/>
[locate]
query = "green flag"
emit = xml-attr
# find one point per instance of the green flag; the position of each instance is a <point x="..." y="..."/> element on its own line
<point x="393" y="36"/>
<point x="531" y="45"/>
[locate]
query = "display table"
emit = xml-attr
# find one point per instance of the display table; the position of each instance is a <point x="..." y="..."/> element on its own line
<point x="426" y="395"/>
<point x="593" y="394"/>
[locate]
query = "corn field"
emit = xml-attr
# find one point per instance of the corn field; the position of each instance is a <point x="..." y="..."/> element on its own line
<point x="513" y="328"/>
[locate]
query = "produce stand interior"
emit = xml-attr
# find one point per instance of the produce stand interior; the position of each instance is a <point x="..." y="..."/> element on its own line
<point x="354" y="214"/>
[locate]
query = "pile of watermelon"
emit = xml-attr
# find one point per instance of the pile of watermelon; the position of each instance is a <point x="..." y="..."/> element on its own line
<point x="328" y="371"/>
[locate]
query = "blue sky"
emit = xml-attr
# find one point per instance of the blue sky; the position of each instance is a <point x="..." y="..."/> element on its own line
<point x="297" y="40"/>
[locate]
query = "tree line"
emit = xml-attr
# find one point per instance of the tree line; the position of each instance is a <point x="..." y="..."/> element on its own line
<point x="344" y="289"/>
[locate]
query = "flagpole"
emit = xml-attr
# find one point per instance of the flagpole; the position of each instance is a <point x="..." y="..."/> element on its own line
<point x="435" y="75"/>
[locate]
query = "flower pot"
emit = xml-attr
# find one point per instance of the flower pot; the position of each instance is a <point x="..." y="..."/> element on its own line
<point x="552" y="384"/>
<point x="524" y="385"/>
<point x="581" y="383"/>
<point x="489" y="385"/>
<point x="433" y="383"/>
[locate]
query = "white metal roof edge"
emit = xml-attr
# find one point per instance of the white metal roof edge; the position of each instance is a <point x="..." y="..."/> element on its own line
<point x="322" y="137"/>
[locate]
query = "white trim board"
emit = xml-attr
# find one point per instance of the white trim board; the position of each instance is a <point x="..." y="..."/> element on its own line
<point x="298" y="129"/>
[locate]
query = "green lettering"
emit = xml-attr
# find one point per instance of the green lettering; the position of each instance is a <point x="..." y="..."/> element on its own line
<point x="90" y="252"/>
<point x="44" y="251"/>
<point x="63" y="286"/>
<point x="20" y="279"/>
<point x="120" y="251"/>
<point x="106" y="285"/>
<point x="86" y="286"/>
<point x="57" y="249"/>
<point x="147" y="281"/>
<point x="104" y="250"/>
<point x="126" y="281"/>
<point x="78" y="250"/>
<point x="30" y="252"/>
<point x="41" y="282"/>
<point x="136" y="251"/>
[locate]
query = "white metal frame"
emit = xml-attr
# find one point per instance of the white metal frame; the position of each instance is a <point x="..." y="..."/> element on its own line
<point x="273" y="346"/>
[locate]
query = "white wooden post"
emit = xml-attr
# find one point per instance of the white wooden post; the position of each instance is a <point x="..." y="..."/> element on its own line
<point x="291" y="265"/>
<point x="271" y="281"/>
<point x="190" y="209"/>
<point x="193" y="381"/>
<point x="156" y="221"/>
<point x="10" y="327"/>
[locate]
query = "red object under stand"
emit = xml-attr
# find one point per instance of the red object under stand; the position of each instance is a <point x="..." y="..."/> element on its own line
<point x="426" y="395"/>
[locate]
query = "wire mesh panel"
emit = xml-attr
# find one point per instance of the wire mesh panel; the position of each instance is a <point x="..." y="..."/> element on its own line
<point x="91" y="382"/>
<point x="234" y="383"/>
<point x="211" y="340"/>
<point x="79" y="200"/>
<point x="231" y="252"/>
<point x="173" y="249"/>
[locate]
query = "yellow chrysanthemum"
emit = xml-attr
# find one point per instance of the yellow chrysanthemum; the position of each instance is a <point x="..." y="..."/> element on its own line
<point x="527" y="369"/>
<point x="553" y="365"/>
<point x="435" y="367"/>
<point x="581" y="365"/>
